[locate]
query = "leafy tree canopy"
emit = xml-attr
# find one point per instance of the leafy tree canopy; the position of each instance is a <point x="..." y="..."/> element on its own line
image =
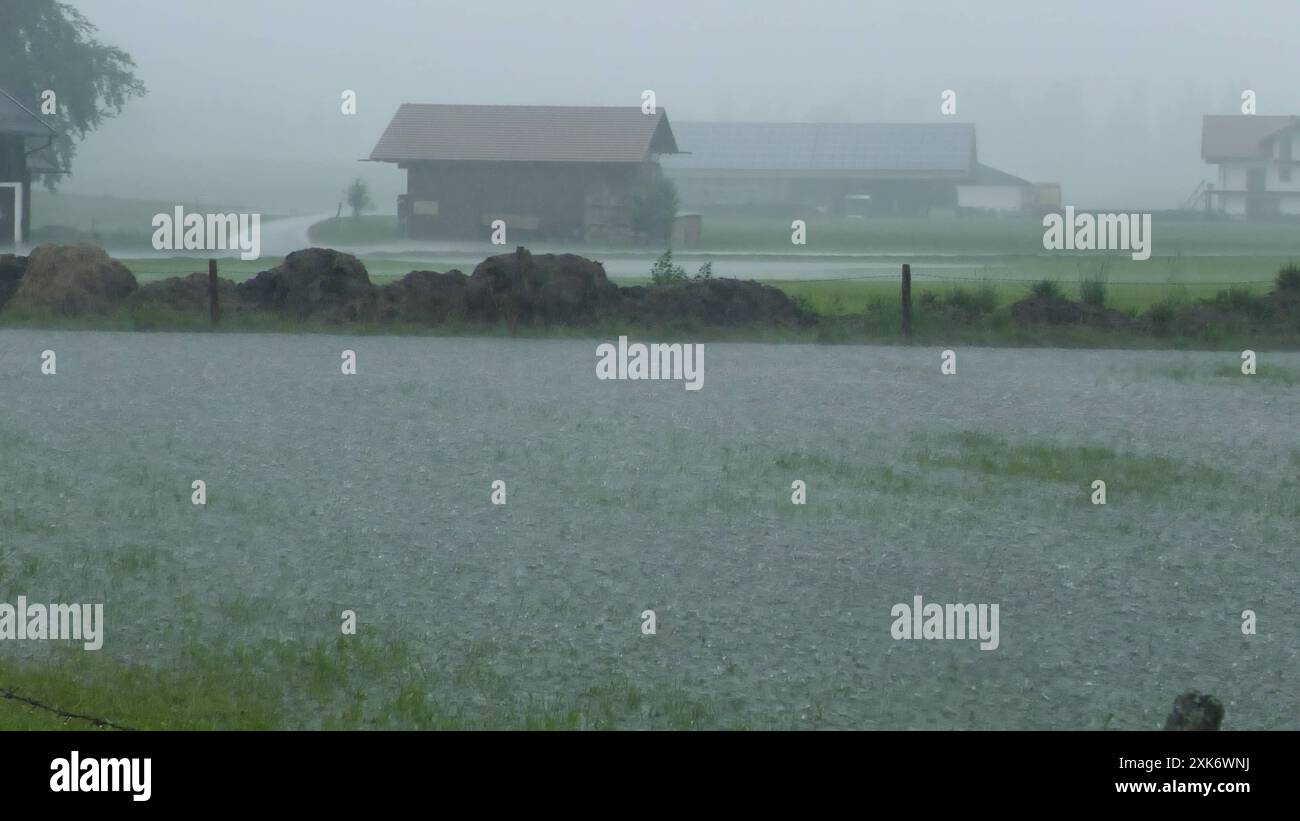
<point x="49" y="45"/>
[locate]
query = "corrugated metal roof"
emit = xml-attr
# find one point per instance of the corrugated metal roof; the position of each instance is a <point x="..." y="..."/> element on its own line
<point x="524" y="134"/>
<point x="859" y="147"/>
<point x="1239" y="136"/>
<point x="16" y="118"/>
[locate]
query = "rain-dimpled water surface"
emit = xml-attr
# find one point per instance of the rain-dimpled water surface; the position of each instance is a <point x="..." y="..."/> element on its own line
<point x="372" y="493"/>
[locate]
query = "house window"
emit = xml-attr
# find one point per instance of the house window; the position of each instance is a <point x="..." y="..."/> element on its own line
<point x="1284" y="158"/>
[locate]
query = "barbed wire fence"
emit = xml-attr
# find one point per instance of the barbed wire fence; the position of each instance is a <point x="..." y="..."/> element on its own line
<point x="922" y="275"/>
<point x="918" y="275"/>
<point x="10" y="695"/>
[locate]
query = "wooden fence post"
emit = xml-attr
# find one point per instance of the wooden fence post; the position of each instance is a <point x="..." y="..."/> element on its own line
<point x="214" y="298"/>
<point x="907" y="301"/>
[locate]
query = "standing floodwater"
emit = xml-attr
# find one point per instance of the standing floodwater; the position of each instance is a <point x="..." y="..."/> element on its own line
<point x="370" y="492"/>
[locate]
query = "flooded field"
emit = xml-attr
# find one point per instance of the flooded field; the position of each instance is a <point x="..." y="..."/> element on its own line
<point x="371" y="492"/>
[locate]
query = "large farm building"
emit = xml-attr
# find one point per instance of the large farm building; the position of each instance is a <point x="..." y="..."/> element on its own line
<point x="839" y="168"/>
<point x="555" y="171"/>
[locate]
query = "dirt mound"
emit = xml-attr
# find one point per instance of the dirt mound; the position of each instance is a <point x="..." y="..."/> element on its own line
<point x="1057" y="310"/>
<point x="316" y="283"/>
<point x="1052" y="310"/>
<point x="550" y="287"/>
<point x="712" y="302"/>
<point x="1106" y="317"/>
<point x="73" y="279"/>
<point x="11" y="274"/>
<point x="188" y="293"/>
<point x="569" y="289"/>
<point x="424" y="296"/>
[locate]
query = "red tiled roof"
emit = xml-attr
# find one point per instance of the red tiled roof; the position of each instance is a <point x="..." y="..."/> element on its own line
<point x="1240" y="136"/>
<point x="524" y="134"/>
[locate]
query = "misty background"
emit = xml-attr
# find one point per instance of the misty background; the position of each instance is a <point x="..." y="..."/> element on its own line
<point x="1105" y="97"/>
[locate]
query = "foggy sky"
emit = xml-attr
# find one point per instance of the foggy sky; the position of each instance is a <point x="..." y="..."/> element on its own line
<point x="1104" y="97"/>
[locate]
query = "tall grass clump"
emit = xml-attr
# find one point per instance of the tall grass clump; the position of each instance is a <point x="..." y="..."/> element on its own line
<point x="1240" y="300"/>
<point x="1288" y="278"/>
<point x="1045" y="289"/>
<point x="972" y="302"/>
<point x="1092" y="288"/>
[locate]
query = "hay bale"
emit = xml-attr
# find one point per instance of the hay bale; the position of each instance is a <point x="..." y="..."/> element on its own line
<point x="73" y="280"/>
<point x="563" y="288"/>
<point x="314" y="282"/>
<point x="424" y="296"/>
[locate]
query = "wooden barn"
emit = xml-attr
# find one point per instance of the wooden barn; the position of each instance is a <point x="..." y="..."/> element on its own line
<point x="562" y="172"/>
<point x="23" y="139"/>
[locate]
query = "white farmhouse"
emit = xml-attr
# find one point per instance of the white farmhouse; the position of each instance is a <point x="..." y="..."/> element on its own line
<point x="1259" y="165"/>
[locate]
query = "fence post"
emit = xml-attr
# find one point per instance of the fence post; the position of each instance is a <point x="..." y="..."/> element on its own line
<point x="907" y="301"/>
<point x="214" y="303"/>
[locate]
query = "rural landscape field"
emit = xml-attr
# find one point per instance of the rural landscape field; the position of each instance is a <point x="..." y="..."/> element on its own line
<point x="526" y="615"/>
<point x="645" y="377"/>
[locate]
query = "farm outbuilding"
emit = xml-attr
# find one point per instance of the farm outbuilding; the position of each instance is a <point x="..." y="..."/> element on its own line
<point x="839" y="168"/>
<point x="563" y="172"/>
<point x="24" y="137"/>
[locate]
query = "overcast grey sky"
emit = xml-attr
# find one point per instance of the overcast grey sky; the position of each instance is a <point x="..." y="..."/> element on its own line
<point x="1104" y="97"/>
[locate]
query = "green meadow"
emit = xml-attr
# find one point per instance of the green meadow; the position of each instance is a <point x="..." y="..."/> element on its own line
<point x="917" y="237"/>
<point x="105" y="219"/>
<point x="980" y="235"/>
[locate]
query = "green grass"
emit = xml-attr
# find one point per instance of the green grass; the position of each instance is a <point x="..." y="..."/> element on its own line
<point x="368" y="230"/>
<point x="1129" y="286"/>
<point x="878" y="325"/>
<point x="971" y="235"/>
<point x="86" y="211"/>
<point x="67" y="218"/>
<point x="153" y="318"/>
<point x="1071" y="464"/>
<point x="1264" y="373"/>
<point x="916" y="237"/>
<point x="350" y="682"/>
